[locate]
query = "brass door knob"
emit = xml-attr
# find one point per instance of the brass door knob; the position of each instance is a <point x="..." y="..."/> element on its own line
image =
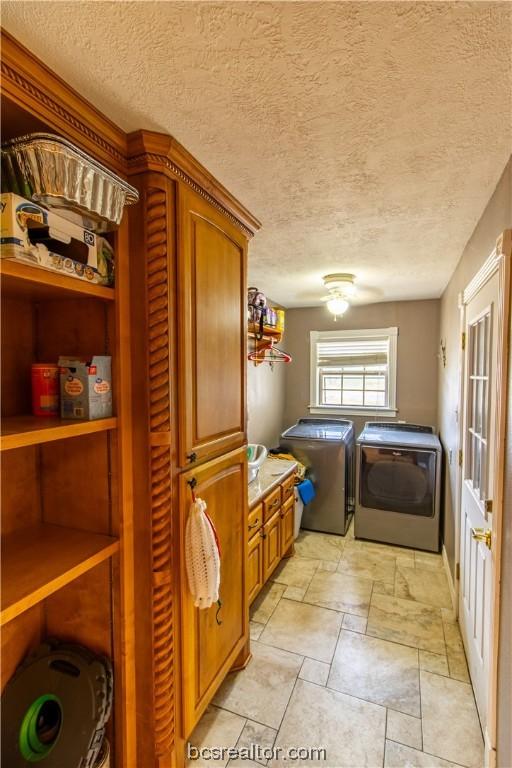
<point x="482" y="534"/>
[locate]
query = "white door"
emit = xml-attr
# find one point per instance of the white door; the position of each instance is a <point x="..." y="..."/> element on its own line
<point x="476" y="556"/>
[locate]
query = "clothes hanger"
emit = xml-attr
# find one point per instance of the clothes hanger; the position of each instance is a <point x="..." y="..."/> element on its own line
<point x="275" y="355"/>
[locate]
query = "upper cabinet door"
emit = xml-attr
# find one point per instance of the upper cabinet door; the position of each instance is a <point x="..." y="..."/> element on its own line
<point x="212" y="337"/>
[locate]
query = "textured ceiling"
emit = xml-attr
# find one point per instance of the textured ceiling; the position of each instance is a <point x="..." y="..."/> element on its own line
<point x="367" y="137"/>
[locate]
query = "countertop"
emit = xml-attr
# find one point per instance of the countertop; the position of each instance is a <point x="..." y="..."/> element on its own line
<point x="272" y="472"/>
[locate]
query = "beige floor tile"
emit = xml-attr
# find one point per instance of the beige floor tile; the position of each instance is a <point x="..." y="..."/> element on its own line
<point x="294" y="593"/>
<point x="379" y="547"/>
<point x="429" y="561"/>
<point x="354" y="623"/>
<point x="381" y="588"/>
<point x="378" y="671"/>
<point x="407" y="622"/>
<point x="243" y="763"/>
<point x="328" y="565"/>
<point x="295" y="571"/>
<point x="304" y="629"/>
<point x="351" y="731"/>
<point x="262" y="690"/>
<point x="451" y="728"/>
<point x="406" y="559"/>
<point x="217" y="728"/>
<point x="455" y="651"/>
<point x="255" y="629"/>
<point x="400" y="756"/>
<point x="264" y="605"/>
<point x="258" y="739"/>
<point x="319" y="546"/>
<point x="448" y="615"/>
<point x="340" y="592"/>
<point x="404" y="728"/>
<point x="429" y="587"/>
<point x="434" y="662"/>
<point x="314" y="671"/>
<point x="368" y="565"/>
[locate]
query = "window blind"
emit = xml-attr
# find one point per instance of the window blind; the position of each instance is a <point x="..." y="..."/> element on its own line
<point x="358" y="352"/>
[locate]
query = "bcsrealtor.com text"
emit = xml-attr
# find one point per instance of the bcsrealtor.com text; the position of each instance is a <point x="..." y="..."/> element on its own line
<point x="256" y="753"/>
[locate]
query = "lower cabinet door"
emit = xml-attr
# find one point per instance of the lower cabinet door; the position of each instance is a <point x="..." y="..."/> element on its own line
<point x="287" y="525"/>
<point x="271" y="545"/>
<point x="254" y="566"/>
<point x="212" y="638"/>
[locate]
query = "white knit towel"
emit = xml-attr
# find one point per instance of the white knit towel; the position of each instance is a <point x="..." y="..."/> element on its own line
<point x="201" y="557"/>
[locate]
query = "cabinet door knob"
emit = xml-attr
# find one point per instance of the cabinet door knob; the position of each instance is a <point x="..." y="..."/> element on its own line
<point x="263" y="535"/>
<point x="191" y="457"/>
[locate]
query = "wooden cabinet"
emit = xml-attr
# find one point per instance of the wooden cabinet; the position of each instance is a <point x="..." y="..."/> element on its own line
<point x="271" y="545"/>
<point x="255" y="520"/>
<point x="287" y="489"/>
<point x="188" y="240"/>
<point x="271" y="504"/>
<point x="212" y="344"/>
<point x="213" y="638"/>
<point x="255" y="572"/>
<point x="67" y="525"/>
<point x="175" y="326"/>
<point x="270" y="531"/>
<point x="287" y="525"/>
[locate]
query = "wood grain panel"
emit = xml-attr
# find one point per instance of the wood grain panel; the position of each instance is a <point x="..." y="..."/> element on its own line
<point x="19" y="637"/>
<point x="254" y="566"/>
<point x="272" y="545"/>
<point x="20" y="489"/>
<point x="212" y="339"/>
<point x="18" y="354"/>
<point x="213" y="638"/>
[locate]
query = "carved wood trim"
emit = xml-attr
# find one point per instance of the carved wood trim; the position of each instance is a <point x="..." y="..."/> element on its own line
<point x="30" y="83"/>
<point x="164" y="625"/>
<point x="165" y="162"/>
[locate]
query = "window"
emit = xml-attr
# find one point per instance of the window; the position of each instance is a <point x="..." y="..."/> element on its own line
<point x="354" y="371"/>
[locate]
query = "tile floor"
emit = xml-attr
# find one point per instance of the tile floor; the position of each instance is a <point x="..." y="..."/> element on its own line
<point x="354" y="650"/>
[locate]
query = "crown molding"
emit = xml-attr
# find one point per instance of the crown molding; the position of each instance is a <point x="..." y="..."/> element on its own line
<point x="31" y="85"/>
<point x="148" y="150"/>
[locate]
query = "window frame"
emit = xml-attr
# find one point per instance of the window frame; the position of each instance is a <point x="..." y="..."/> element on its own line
<point x="368" y="334"/>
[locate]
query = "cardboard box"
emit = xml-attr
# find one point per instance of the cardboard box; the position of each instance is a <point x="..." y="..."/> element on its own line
<point x="31" y="234"/>
<point x="85" y="388"/>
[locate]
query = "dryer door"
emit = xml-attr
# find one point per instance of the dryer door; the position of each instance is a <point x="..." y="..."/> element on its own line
<point x="398" y="480"/>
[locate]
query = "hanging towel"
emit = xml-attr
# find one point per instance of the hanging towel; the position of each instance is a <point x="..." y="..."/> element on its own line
<point x="306" y="491"/>
<point x="202" y="556"/>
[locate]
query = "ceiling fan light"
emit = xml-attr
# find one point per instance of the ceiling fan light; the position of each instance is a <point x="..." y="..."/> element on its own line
<point x="337" y="306"/>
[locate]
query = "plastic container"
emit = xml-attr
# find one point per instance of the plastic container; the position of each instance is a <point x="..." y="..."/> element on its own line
<point x="45" y="389"/>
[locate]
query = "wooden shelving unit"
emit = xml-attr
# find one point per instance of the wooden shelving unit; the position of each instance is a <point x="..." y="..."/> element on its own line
<point x="21" y="431"/>
<point x="39" y="561"/>
<point x="261" y="342"/>
<point x="269" y="333"/>
<point x="67" y="510"/>
<point x="19" y="279"/>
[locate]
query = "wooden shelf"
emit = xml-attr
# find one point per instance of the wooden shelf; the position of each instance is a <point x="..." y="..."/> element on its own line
<point x="31" y="282"/>
<point x="20" y="431"/>
<point x="38" y="561"/>
<point x="269" y="333"/>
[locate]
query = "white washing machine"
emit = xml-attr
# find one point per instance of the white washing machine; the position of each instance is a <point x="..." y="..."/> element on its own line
<point x="398" y="485"/>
